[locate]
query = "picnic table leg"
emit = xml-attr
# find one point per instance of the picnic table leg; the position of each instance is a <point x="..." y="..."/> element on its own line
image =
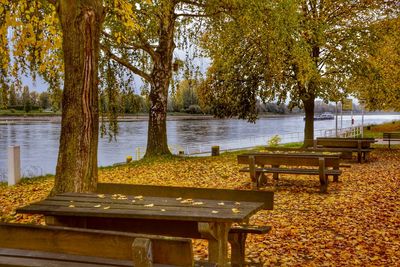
<point x="253" y="173"/>
<point x="336" y="177"/>
<point x="359" y="153"/>
<point x="217" y="236"/>
<point x="262" y="178"/>
<point x="275" y="175"/>
<point x="322" y="176"/>
<point x="238" y="242"/>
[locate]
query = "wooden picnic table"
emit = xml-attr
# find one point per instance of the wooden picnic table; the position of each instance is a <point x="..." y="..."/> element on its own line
<point x="362" y="146"/>
<point x="209" y="219"/>
<point x="391" y="136"/>
<point x="290" y="163"/>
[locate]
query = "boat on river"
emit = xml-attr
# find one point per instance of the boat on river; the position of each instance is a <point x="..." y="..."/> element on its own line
<point x="323" y="116"/>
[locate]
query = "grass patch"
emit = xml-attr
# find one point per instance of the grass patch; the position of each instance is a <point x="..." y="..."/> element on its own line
<point x="22" y="113"/>
<point x="376" y="131"/>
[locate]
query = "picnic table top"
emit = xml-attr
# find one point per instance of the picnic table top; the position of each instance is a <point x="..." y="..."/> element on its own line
<point x="144" y="207"/>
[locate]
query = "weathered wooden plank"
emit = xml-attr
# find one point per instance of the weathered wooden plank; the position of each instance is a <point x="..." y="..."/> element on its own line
<point x="93" y="243"/>
<point x="205" y="215"/>
<point x="344" y="142"/>
<point x="173" y="203"/>
<point x="142" y="252"/>
<point x="153" y="227"/>
<point x="288" y="159"/>
<point x="189" y="192"/>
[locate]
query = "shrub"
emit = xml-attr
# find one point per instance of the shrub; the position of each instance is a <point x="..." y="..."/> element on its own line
<point x="194" y="109"/>
<point x="274" y="141"/>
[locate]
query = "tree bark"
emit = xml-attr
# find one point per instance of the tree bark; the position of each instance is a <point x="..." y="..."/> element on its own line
<point x="309" y="102"/>
<point x="309" y="123"/>
<point x="157" y="141"/>
<point x="76" y="169"/>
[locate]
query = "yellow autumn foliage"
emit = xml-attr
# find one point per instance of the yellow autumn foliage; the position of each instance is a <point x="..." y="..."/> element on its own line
<point x="355" y="224"/>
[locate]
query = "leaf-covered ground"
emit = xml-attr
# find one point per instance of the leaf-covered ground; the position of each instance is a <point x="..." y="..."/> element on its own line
<point x="356" y="224"/>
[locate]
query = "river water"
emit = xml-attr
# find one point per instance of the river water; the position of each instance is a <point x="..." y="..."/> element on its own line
<point x="39" y="141"/>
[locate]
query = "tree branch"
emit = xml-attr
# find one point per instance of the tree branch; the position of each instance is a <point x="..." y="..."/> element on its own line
<point x="192" y="15"/>
<point x="193" y="3"/>
<point x="144" y="46"/>
<point x="127" y="65"/>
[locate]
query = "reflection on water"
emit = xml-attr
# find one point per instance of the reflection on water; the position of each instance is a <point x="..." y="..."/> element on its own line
<point x="39" y="141"/>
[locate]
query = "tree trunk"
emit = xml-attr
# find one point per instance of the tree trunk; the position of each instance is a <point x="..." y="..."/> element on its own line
<point x="81" y="22"/>
<point x="309" y="103"/>
<point x="157" y="142"/>
<point x="309" y="123"/>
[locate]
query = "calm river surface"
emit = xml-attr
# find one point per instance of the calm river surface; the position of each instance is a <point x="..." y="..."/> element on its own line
<point x="39" y="141"/>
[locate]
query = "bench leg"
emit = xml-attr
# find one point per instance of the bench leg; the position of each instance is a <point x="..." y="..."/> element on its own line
<point x="324" y="184"/>
<point x="217" y="236"/>
<point x="275" y="175"/>
<point x="323" y="178"/>
<point x="254" y="185"/>
<point x="237" y="241"/>
<point x="365" y="156"/>
<point x="359" y="158"/>
<point x="336" y="178"/>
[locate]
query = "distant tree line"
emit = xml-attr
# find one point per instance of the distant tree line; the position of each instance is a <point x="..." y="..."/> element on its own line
<point x="16" y="97"/>
<point x="185" y="97"/>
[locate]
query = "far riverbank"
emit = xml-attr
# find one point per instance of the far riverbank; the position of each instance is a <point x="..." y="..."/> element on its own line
<point x="126" y="118"/>
<point x="53" y="118"/>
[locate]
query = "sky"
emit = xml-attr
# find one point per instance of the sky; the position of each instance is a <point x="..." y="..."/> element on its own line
<point x="39" y="85"/>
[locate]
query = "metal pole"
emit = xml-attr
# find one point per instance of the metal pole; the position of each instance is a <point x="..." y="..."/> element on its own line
<point x="362" y="121"/>
<point x="341" y="115"/>
<point x="336" y="126"/>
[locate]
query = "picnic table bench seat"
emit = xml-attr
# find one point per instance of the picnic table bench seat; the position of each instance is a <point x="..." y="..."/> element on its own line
<point x="361" y="146"/>
<point x="279" y="170"/>
<point x="34" y="245"/>
<point x="391" y="136"/>
<point x="290" y="163"/>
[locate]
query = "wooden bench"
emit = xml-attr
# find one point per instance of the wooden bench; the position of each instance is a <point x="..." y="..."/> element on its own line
<point x="391" y="136"/>
<point x="237" y="234"/>
<point x="293" y="164"/>
<point x="34" y="245"/>
<point x="362" y="146"/>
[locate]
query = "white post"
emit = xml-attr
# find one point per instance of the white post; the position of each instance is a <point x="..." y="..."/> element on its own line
<point x="14" y="165"/>
<point x="336" y="121"/>
<point x="362" y="119"/>
<point x="341" y="115"/>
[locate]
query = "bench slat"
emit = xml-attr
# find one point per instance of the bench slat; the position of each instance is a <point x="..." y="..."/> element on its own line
<point x="293" y="171"/>
<point x="23" y="257"/>
<point x="250" y="229"/>
<point x="93" y="243"/>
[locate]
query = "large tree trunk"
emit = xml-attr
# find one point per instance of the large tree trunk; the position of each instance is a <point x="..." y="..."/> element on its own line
<point x="77" y="158"/>
<point x="309" y="102"/>
<point x="157" y="142"/>
<point x="309" y="123"/>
